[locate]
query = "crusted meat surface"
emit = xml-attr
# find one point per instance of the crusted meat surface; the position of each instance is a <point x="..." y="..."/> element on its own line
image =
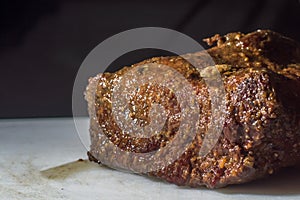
<point x="261" y="132"/>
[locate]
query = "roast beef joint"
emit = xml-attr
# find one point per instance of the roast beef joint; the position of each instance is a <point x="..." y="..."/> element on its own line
<point x="260" y="72"/>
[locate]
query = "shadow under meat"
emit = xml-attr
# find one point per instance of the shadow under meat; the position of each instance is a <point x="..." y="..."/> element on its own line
<point x="285" y="182"/>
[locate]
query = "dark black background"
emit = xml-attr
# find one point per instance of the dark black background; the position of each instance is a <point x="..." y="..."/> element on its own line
<point x="42" y="43"/>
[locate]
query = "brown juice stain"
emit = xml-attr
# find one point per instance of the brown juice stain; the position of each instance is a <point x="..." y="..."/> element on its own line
<point x="66" y="170"/>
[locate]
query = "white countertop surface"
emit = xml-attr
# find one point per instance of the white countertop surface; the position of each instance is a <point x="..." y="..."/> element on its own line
<point x="30" y="148"/>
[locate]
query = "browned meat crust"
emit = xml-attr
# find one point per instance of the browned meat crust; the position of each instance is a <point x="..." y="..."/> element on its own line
<point x="261" y="134"/>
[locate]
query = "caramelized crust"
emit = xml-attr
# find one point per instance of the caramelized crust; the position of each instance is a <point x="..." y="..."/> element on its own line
<point x="261" y="133"/>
